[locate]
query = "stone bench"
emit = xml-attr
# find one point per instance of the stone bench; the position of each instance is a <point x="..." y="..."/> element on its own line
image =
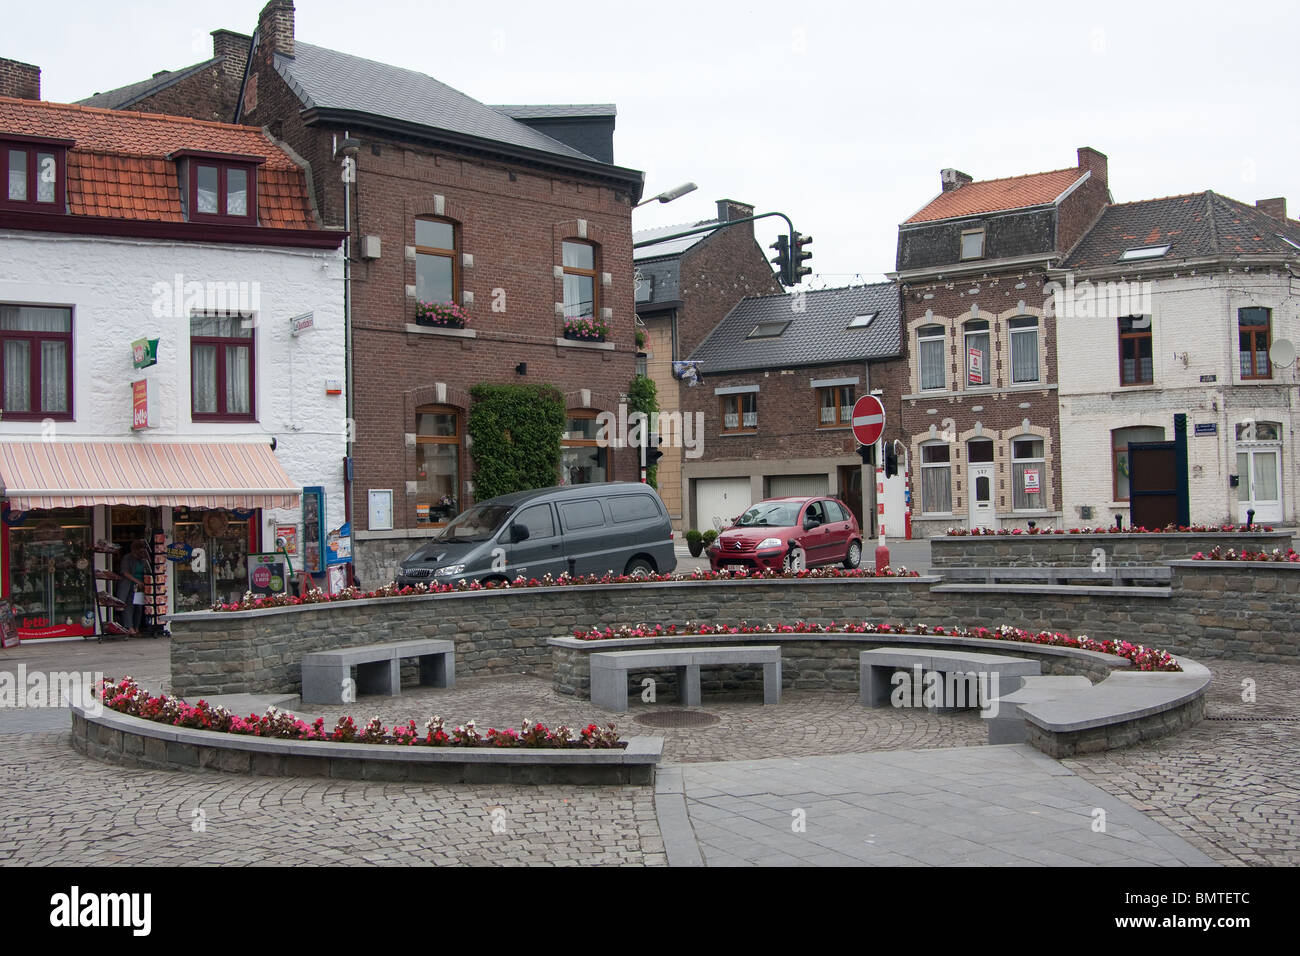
<point x="877" y="669"/>
<point x="610" y="669"/>
<point x="379" y="669"/>
<point x="1007" y="723"/>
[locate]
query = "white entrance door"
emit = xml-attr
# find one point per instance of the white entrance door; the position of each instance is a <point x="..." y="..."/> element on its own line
<point x="981" y="495"/>
<point x="1259" y="473"/>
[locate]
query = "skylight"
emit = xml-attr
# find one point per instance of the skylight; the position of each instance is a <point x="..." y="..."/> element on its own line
<point x="861" y="321"/>
<point x="768" y="330"/>
<point x="1144" y="252"/>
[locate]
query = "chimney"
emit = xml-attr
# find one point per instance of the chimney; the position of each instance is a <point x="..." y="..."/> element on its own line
<point x="1094" y="162"/>
<point x="275" y="27"/>
<point x="234" y="48"/>
<point x="21" y="80"/>
<point x="954" y="179"/>
<point x="729" y="209"/>
<point x="1273" y="207"/>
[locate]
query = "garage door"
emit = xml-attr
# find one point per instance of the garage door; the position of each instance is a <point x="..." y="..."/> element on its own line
<point x="785" y="486"/>
<point x="719" y="500"/>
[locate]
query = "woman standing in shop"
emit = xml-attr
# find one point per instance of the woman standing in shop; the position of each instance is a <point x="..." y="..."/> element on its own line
<point x="130" y="590"/>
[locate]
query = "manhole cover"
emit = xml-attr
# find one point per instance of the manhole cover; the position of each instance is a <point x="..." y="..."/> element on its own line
<point x="678" y="718"/>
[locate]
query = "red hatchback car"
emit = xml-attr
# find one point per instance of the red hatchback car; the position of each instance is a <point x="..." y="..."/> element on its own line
<point x="789" y="534"/>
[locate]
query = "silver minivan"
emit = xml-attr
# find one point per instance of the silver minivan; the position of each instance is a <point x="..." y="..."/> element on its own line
<point x="620" y="527"/>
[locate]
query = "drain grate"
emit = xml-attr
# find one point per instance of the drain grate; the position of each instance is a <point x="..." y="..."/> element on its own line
<point x="1264" y="720"/>
<point x="678" y="718"/>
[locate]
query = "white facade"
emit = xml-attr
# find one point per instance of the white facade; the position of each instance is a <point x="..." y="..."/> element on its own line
<point x="1195" y="370"/>
<point x="121" y="290"/>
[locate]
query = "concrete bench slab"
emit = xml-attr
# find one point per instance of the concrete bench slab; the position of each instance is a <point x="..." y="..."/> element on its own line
<point x="1007" y="725"/>
<point x="609" y="671"/>
<point x="379" y="669"/>
<point x="878" y="666"/>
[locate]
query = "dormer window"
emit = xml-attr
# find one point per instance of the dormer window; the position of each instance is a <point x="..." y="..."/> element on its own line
<point x="217" y="187"/>
<point x="35" y="173"/>
<point x="972" y="244"/>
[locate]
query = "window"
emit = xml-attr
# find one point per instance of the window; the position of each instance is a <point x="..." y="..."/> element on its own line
<point x="977" y="354"/>
<point x="861" y="321"/>
<point x="1027" y="474"/>
<point x="1143" y="252"/>
<point x="1253" y="330"/>
<point x="579" y="280"/>
<point x="816" y="512"/>
<point x="582" y="514"/>
<point x="979" y="451"/>
<point x="1023" y="332"/>
<point x="1135" y="350"/>
<point x="768" y="330"/>
<point x="538" y="520"/>
<point x="437" y="463"/>
<point x="436" y="275"/>
<point x="220" y="190"/>
<point x="740" y="412"/>
<point x="835" y="512"/>
<point x="582" y="458"/>
<point x="936" y="479"/>
<point x="972" y="244"/>
<point x="930" y="346"/>
<point x="1120" y="439"/>
<point x="35" y="170"/>
<point x="36" y="371"/>
<point x="632" y="507"/>
<point x="836" y="406"/>
<point x="221" y="368"/>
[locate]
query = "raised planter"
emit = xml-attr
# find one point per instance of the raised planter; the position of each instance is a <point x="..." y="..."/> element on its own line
<point x="134" y="742"/>
<point x="1078" y="550"/>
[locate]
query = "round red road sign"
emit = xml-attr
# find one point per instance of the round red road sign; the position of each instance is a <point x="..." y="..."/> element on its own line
<point x="868" y="419"/>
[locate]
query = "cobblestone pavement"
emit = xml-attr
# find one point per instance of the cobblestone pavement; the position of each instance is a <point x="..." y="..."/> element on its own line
<point x="1229" y="787"/>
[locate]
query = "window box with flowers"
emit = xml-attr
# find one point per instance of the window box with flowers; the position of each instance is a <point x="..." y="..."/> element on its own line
<point x="587" y="330"/>
<point x="445" y="315"/>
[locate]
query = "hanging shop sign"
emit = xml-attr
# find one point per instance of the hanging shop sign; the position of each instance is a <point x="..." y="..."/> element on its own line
<point x="302" y="323"/>
<point x="177" y="551"/>
<point x="144" y="353"/>
<point x="140" y="404"/>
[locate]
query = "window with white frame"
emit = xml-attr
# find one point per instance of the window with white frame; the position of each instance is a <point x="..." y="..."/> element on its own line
<point x="1028" y="474"/>
<point x="929" y="347"/>
<point x="936" y="478"/>
<point x="978" y="373"/>
<point x="1023" y="333"/>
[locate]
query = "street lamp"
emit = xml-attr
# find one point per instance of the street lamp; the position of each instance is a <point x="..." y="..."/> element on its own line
<point x="670" y="195"/>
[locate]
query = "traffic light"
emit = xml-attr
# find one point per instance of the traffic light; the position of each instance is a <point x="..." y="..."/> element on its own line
<point x="891" y="461"/>
<point x="868" y="454"/>
<point x="782" y="260"/>
<point x="652" y="452"/>
<point x="798" y="257"/>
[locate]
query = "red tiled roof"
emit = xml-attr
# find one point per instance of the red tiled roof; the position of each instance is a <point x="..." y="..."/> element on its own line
<point x="118" y="165"/>
<point x="996" y="195"/>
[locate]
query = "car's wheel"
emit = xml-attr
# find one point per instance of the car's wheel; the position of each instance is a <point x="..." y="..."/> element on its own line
<point x="854" y="558"/>
<point x="639" y="568"/>
<point x="795" y="560"/>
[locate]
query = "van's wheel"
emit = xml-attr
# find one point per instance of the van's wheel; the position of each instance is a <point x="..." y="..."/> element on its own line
<point x="639" y="568"/>
<point x="854" y="558"/>
<point x="795" y="560"/>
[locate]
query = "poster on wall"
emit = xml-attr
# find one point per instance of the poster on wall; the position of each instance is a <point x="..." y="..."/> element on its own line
<point x="8" y="625"/>
<point x="268" y="574"/>
<point x="975" y="359"/>
<point x="313" y="529"/>
<point x="1031" y="481"/>
<point x="289" y="534"/>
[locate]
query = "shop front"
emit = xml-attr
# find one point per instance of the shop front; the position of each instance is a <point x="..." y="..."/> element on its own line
<point x="73" y="510"/>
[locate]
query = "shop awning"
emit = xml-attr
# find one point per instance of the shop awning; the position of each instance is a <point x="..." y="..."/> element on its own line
<point x="68" y="474"/>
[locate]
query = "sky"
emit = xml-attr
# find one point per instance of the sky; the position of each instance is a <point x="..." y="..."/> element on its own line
<point x="838" y="114"/>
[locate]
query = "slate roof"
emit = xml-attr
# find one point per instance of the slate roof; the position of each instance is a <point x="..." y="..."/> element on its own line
<point x="328" y="79"/>
<point x="673" y="247"/>
<point x="118" y="166"/>
<point x="1195" y="226"/>
<point x="999" y="195"/>
<point x="132" y="93"/>
<point x="569" y="111"/>
<point x="816" y="336"/>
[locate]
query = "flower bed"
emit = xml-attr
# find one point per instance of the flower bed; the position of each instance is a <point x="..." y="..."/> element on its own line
<point x="251" y="603"/>
<point x="1167" y="529"/>
<point x="128" y="697"/>
<point x="1142" y="658"/>
<point x="1218" y="554"/>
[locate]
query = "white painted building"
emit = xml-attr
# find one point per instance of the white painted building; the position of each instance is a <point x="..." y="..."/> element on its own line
<point x="1182" y="319"/>
<point x="244" y="407"/>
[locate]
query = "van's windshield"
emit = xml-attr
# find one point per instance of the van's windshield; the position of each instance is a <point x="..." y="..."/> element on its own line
<point x="479" y="523"/>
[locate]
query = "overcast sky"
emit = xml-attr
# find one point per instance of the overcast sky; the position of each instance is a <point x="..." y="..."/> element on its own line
<point x="839" y="114"/>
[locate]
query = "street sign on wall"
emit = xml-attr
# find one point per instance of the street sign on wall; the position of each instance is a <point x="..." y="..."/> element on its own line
<point x="868" y="419"/>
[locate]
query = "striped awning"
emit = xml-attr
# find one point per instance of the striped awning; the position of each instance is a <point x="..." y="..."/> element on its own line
<point x="68" y="474"/>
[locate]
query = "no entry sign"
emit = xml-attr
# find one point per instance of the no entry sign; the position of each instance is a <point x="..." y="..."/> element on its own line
<point x="868" y="419"/>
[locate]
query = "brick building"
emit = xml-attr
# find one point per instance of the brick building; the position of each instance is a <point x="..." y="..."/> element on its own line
<point x="978" y="411"/>
<point x="779" y="376"/>
<point x="684" y="289"/>
<point x="1172" y="306"/>
<point x="454" y="203"/>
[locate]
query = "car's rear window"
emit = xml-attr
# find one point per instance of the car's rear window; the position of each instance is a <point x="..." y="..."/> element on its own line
<point x="581" y="514"/>
<point x="632" y="507"/>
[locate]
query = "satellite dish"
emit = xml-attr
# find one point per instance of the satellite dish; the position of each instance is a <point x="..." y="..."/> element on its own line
<point x="1282" y="353"/>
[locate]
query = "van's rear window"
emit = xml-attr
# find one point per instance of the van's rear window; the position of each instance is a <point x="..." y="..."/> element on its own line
<point x="632" y="507"/>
